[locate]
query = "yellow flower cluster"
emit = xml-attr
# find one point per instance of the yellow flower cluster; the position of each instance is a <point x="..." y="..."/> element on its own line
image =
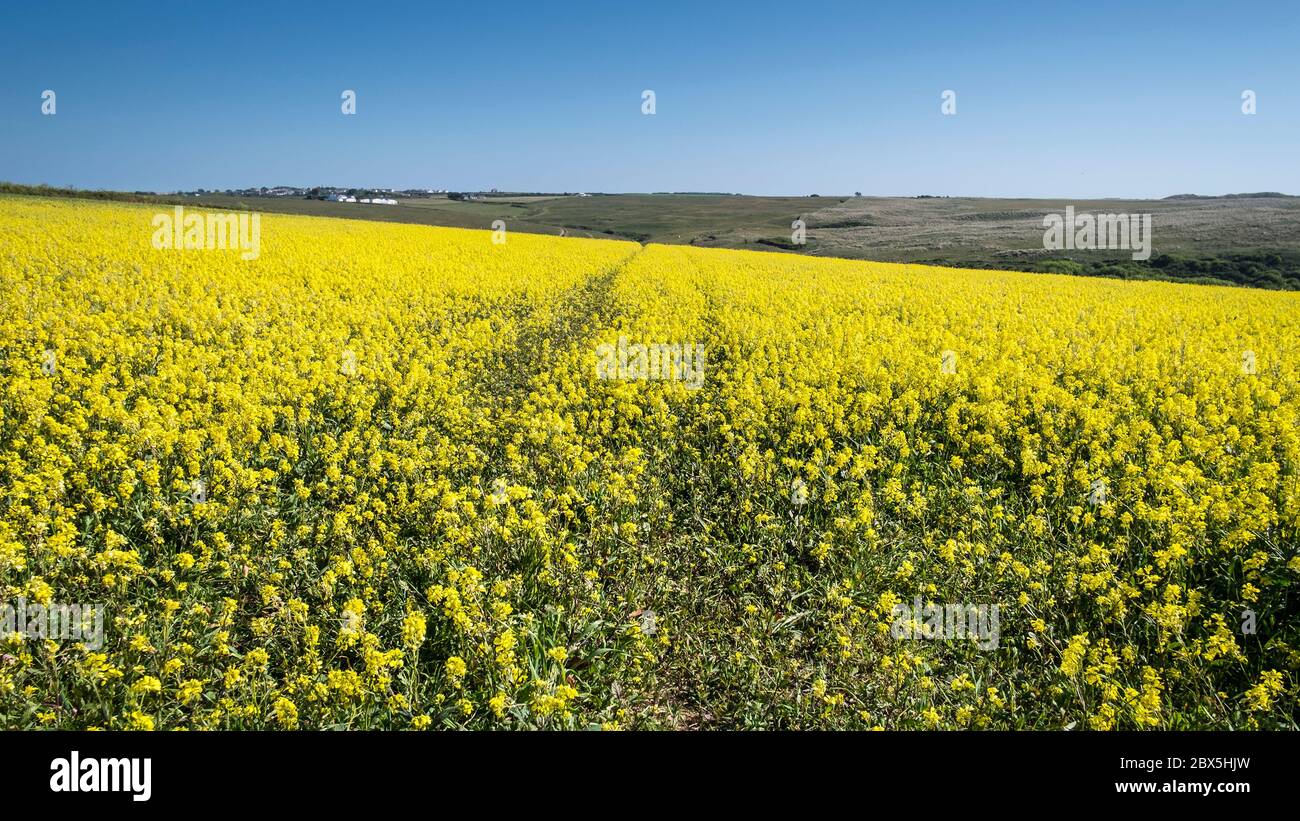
<point x="374" y="478"/>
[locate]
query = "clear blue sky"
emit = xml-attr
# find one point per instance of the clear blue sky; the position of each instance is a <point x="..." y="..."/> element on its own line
<point x="1074" y="100"/>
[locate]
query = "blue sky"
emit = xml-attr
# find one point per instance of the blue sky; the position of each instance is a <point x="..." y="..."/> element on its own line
<point x="1071" y="100"/>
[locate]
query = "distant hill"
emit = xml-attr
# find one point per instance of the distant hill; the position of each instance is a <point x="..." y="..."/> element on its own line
<point x="1227" y="196"/>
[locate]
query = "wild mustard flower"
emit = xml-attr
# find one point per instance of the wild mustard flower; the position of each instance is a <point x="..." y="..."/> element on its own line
<point x="286" y="713"/>
<point x="413" y="627"/>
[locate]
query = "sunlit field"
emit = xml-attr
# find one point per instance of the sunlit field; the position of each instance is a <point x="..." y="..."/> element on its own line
<point x="383" y="476"/>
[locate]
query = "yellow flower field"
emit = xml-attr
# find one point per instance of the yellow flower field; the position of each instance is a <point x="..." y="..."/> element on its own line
<point x="374" y="478"/>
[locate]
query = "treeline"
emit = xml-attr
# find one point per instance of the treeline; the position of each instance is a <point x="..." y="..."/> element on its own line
<point x="1275" y="270"/>
<point x="52" y="191"/>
